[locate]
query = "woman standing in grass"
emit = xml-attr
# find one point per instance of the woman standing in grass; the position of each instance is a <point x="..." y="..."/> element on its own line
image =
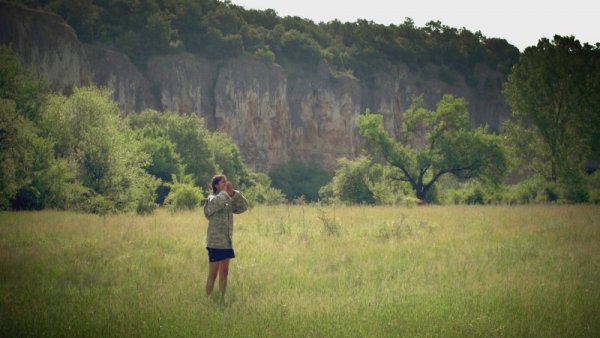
<point x="219" y="209"/>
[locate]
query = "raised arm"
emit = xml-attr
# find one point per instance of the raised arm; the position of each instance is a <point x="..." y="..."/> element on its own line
<point x="216" y="203"/>
<point x="239" y="203"/>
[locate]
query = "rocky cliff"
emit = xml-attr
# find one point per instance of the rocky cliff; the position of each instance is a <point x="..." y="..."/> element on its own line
<point x="271" y="114"/>
<point x="45" y="41"/>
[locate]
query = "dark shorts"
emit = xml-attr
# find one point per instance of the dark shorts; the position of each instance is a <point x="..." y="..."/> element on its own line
<point x="215" y="255"/>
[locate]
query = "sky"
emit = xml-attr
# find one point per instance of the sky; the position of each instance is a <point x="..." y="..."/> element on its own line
<point x="521" y="22"/>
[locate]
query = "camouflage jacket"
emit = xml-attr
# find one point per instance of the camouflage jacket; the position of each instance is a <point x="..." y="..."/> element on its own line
<point x="219" y="210"/>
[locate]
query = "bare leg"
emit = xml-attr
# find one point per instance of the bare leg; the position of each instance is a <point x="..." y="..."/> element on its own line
<point x="223" y="272"/>
<point x="213" y="269"/>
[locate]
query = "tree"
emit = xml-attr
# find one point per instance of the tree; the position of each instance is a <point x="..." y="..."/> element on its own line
<point x="262" y="192"/>
<point x="164" y="160"/>
<point x="351" y="181"/>
<point x="90" y="136"/>
<point x="253" y="37"/>
<point x="184" y="194"/>
<point x="187" y="133"/>
<point x="267" y="18"/>
<point x="553" y="92"/>
<point x="165" y="163"/>
<point x="228" y="159"/>
<point x="18" y="144"/>
<point x="21" y="85"/>
<point x="301" y="47"/>
<point x="158" y="26"/>
<point x="435" y="143"/>
<point x="30" y="176"/>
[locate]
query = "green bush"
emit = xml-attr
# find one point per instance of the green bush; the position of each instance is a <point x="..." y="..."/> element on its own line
<point x="594" y="196"/>
<point x="573" y="189"/>
<point x="392" y="192"/>
<point x="183" y="195"/>
<point x="261" y="194"/>
<point x="97" y="204"/>
<point x="472" y="193"/>
<point x="21" y="151"/>
<point x="164" y="159"/>
<point x="532" y="190"/>
<point x="593" y="183"/>
<point x="351" y="182"/>
<point x="59" y="187"/>
<point x="143" y="193"/>
<point x="360" y="181"/>
<point x="522" y="193"/>
<point x="327" y="193"/>
<point x="145" y="207"/>
<point x="537" y="190"/>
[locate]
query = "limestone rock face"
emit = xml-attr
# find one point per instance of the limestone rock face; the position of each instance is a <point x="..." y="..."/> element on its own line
<point x="45" y="41"/>
<point x="112" y="69"/>
<point x="323" y="110"/>
<point x="184" y="83"/>
<point x="251" y="106"/>
<point x="272" y="115"/>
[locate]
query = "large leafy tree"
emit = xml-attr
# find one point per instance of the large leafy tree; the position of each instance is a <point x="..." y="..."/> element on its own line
<point x="351" y="181"/>
<point x="434" y="143"/>
<point x="19" y="146"/>
<point x="553" y="92"/>
<point x="187" y="134"/>
<point x="21" y="85"/>
<point x="89" y="135"/>
<point x="228" y="159"/>
<point x="30" y="175"/>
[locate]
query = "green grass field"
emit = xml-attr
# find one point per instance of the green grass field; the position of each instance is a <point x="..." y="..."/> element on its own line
<point x="306" y="271"/>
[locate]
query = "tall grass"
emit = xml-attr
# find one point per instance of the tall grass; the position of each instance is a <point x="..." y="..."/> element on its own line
<point x="306" y="271"/>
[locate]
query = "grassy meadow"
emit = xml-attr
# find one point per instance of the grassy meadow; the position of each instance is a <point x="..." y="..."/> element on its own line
<point x="306" y="271"/>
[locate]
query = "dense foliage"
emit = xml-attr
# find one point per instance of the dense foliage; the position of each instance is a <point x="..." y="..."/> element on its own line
<point x="554" y="94"/>
<point x="363" y="181"/>
<point x="436" y="143"/>
<point x="79" y="152"/>
<point x="223" y="30"/>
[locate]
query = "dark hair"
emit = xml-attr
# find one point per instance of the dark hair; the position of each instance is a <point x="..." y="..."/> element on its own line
<point x="215" y="181"/>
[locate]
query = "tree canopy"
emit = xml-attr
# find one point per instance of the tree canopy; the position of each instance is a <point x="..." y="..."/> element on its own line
<point x="435" y="143"/>
<point x="553" y="92"/>
<point x="79" y="152"/>
<point x="222" y="30"/>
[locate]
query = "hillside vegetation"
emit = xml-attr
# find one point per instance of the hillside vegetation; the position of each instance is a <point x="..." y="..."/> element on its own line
<point x="222" y="30"/>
